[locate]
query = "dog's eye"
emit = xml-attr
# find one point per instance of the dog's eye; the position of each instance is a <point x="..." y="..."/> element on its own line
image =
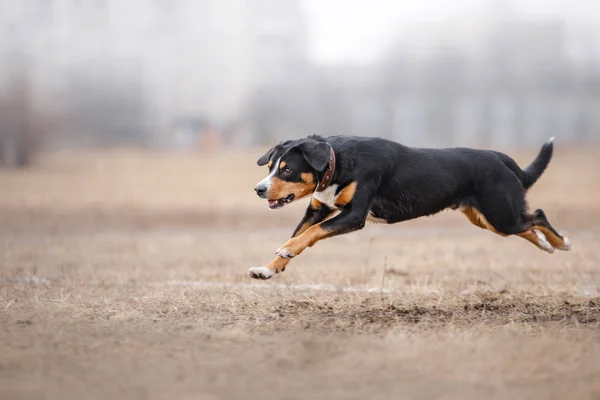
<point x="287" y="171"/>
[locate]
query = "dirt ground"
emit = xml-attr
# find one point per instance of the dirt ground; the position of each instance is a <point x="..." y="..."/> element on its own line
<point x="123" y="275"/>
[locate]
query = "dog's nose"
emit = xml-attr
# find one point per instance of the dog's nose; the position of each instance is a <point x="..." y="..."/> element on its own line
<point x="260" y="190"/>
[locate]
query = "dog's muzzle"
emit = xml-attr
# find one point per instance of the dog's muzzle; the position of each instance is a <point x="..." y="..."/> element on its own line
<point x="261" y="190"/>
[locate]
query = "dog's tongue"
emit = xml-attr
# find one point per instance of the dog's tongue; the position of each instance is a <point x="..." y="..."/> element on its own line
<point x="272" y="202"/>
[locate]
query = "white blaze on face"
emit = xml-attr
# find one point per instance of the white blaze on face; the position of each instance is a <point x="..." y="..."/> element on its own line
<point x="267" y="181"/>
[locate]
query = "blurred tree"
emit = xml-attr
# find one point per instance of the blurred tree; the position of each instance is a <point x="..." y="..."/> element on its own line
<point x="19" y="132"/>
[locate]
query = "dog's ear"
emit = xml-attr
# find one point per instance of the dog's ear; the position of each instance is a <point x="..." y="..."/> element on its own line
<point x="316" y="153"/>
<point x="265" y="157"/>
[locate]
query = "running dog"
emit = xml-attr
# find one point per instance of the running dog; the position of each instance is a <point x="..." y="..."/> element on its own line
<point x="352" y="180"/>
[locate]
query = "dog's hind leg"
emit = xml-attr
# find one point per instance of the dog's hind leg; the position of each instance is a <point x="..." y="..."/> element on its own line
<point x="477" y="218"/>
<point x="534" y="236"/>
<point x="538" y="232"/>
<point x="540" y="222"/>
<point x="538" y="238"/>
<point x="501" y="208"/>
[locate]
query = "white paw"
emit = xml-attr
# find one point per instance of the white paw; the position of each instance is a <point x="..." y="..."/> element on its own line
<point x="284" y="252"/>
<point x="566" y="246"/>
<point x="261" y="273"/>
<point x="544" y="243"/>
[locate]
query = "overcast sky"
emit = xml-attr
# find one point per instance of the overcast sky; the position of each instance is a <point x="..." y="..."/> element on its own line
<point x="352" y="30"/>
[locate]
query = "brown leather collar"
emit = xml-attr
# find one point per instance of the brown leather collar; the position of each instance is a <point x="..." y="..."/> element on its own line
<point x="326" y="181"/>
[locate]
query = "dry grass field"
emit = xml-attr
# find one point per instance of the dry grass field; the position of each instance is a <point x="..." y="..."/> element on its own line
<point x="123" y="275"/>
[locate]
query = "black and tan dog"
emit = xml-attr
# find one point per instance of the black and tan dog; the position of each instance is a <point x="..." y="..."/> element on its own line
<point x="355" y="179"/>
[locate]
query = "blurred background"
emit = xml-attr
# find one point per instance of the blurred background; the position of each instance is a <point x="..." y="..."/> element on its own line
<point x="189" y="75"/>
<point x="129" y="134"/>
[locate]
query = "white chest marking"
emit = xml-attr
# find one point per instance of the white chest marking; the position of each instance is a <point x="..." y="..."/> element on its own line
<point x="327" y="196"/>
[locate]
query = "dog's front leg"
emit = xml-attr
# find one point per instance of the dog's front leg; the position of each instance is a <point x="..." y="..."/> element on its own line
<point x="272" y="268"/>
<point x="351" y="218"/>
<point x="315" y="213"/>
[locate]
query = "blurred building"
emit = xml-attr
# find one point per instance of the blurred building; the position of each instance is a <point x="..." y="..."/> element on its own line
<point x="494" y="79"/>
<point x="186" y="74"/>
<point x="130" y="70"/>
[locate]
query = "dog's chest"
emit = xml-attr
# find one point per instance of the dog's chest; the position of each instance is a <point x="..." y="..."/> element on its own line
<point x="327" y="196"/>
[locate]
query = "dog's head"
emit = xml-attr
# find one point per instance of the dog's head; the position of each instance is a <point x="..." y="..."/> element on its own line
<point x="294" y="166"/>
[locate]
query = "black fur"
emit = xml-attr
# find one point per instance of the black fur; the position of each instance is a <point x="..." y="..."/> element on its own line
<point x="530" y="175"/>
<point x="398" y="183"/>
<point x="301" y="156"/>
<point x="395" y="183"/>
<point x="316" y="153"/>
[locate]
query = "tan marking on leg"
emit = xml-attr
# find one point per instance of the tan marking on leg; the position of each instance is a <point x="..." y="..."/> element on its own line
<point x="478" y="219"/>
<point x="268" y="271"/>
<point x="346" y="195"/>
<point x="282" y="165"/>
<point x="314" y="234"/>
<point x="298" y="244"/>
<point x="556" y="241"/>
<point x="278" y="264"/>
<point x="303" y="228"/>
<point x="541" y="223"/>
<point x="315" y="205"/>
<point x="536" y="235"/>
<point x="537" y="238"/>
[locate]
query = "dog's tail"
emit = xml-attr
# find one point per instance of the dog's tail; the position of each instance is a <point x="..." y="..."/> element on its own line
<point x="530" y="175"/>
<point x="538" y="166"/>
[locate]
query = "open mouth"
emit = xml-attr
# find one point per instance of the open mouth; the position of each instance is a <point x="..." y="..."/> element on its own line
<point x="273" y="204"/>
